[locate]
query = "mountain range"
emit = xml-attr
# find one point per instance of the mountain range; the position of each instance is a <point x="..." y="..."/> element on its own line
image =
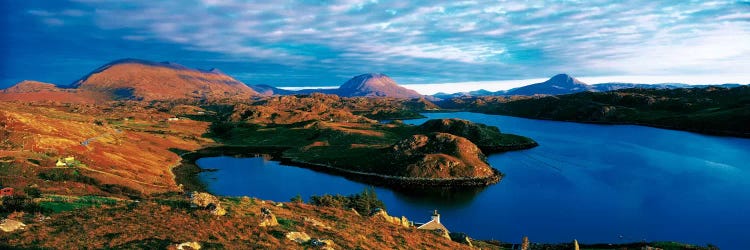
<point x="134" y="79"/>
<point x="565" y="84"/>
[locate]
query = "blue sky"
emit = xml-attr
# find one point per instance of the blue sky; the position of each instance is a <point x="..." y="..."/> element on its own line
<point x="323" y="43"/>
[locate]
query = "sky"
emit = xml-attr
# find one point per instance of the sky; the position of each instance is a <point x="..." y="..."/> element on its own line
<point x="425" y="44"/>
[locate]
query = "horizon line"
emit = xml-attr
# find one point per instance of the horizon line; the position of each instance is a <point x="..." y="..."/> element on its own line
<point x="498" y="85"/>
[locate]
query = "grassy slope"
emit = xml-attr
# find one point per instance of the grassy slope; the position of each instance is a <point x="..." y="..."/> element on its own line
<point x="158" y="222"/>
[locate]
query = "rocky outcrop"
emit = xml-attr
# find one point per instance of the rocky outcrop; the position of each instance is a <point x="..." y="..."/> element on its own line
<point x="11" y="225"/>
<point x="392" y="219"/>
<point x="487" y="138"/>
<point x="462" y="238"/>
<point x="315" y="223"/>
<point x="438" y="155"/>
<point x="299" y="237"/>
<point x="191" y="245"/>
<point x="207" y="201"/>
<point x="322" y="244"/>
<point x="267" y="218"/>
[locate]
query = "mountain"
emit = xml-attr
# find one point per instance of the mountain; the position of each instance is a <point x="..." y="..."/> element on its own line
<point x="557" y="85"/>
<point x="265" y="89"/>
<point x="604" y="87"/>
<point x="32" y="91"/>
<point x="144" y="80"/>
<point x="374" y="84"/>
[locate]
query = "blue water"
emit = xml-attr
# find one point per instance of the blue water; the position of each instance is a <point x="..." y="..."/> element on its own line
<point x="594" y="183"/>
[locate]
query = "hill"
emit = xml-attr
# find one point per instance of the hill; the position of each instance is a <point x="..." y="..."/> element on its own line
<point x="711" y="110"/>
<point x="375" y="85"/>
<point x="557" y="85"/>
<point x="133" y="79"/>
<point x="487" y="138"/>
<point x="33" y="91"/>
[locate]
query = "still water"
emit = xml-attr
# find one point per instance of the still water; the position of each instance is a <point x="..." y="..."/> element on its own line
<point x="594" y="183"/>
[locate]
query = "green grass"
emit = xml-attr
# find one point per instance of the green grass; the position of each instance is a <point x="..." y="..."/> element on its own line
<point x="58" y="204"/>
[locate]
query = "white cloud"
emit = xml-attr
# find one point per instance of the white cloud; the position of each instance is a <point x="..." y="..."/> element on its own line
<point x="526" y="39"/>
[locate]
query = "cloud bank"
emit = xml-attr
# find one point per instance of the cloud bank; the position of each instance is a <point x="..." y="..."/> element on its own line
<point x="427" y="41"/>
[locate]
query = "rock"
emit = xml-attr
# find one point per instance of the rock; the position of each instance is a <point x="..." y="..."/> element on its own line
<point x="354" y="211"/>
<point x="315" y="223"/>
<point x="10" y="225"/>
<point x="650" y="248"/>
<point x="207" y="201"/>
<point x="219" y="211"/>
<point x="203" y="200"/>
<point x="322" y="244"/>
<point x="189" y="245"/>
<point x="246" y="200"/>
<point x="461" y="238"/>
<point x="380" y="213"/>
<point x="299" y="237"/>
<point x="267" y="219"/>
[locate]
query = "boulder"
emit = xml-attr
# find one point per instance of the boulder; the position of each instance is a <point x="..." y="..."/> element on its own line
<point x="10" y="225"/>
<point x="299" y="237"/>
<point x="188" y="245"/>
<point x="322" y="244"/>
<point x="380" y="213"/>
<point x="207" y="201"/>
<point x="315" y="223"/>
<point x="203" y="200"/>
<point x="267" y="219"/>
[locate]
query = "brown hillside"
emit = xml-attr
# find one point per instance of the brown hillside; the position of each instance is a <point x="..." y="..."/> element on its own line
<point x="143" y="80"/>
<point x="440" y="155"/>
<point x="123" y="145"/>
<point x="33" y="91"/>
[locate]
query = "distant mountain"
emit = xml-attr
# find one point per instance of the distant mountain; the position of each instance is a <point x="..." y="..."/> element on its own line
<point x="268" y="90"/>
<point x="481" y="92"/>
<point x="557" y="85"/>
<point x="145" y="80"/>
<point x="374" y="84"/>
<point x="33" y="91"/>
<point x="604" y="87"/>
<point x="31" y="86"/>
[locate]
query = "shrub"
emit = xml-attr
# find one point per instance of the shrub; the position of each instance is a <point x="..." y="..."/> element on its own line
<point x="363" y="202"/>
<point x="297" y="199"/>
<point x="32" y="192"/>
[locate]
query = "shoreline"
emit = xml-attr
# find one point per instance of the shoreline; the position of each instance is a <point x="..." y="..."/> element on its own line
<point x="709" y="132"/>
<point x="186" y="173"/>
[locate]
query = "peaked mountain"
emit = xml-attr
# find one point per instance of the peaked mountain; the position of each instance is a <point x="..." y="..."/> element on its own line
<point x="557" y="85"/>
<point x="374" y="84"/>
<point x="145" y="80"/>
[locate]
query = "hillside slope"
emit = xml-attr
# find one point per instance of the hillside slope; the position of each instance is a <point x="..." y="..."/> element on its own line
<point x="144" y="80"/>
